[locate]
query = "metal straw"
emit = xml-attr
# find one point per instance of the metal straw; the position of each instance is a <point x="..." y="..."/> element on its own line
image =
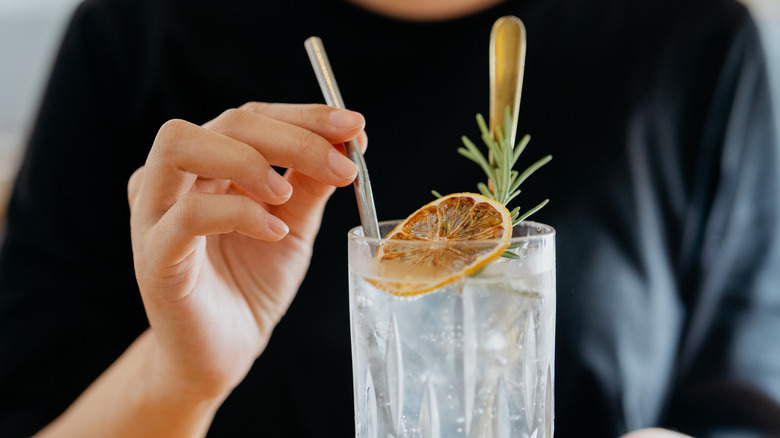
<point x="319" y="60"/>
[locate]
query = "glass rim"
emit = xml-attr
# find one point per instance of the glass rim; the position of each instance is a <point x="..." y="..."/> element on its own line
<point x="546" y="232"/>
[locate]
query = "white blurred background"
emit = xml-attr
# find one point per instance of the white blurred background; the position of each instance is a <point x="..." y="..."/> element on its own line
<point x="30" y="31"/>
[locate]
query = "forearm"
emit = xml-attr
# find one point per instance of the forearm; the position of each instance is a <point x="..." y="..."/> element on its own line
<point x="132" y="399"/>
<point x="654" y="433"/>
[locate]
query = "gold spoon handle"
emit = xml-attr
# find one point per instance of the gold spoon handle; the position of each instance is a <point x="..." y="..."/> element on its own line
<point x="507" y="62"/>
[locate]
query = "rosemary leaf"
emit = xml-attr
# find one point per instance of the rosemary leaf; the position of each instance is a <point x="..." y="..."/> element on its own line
<point x="512" y="196"/>
<point x="520" y="148"/>
<point x="503" y="182"/>
<point x="508" y="123"/>
<point x="533" y="210"/>
<point x="478" y="157"/>
<point x="506" y="165"/>
<point x="482" y="125"/>
<point x="515" y="183"/>
<point x="466" y="153"/>
<point x="484" y="191"/>
<point x="534" y="167"/>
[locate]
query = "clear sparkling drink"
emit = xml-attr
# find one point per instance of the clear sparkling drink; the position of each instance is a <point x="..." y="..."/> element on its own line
<point x="472" y="358"/>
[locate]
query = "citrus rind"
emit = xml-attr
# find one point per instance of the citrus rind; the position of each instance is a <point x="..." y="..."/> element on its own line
<point x="441" y="243"/>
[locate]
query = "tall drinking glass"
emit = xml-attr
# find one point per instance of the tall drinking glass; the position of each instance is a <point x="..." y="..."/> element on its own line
<point x="471" y="358"/>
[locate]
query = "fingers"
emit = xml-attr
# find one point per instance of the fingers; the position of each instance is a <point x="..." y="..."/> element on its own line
<point x="334" y="125"/>
<point x="362" y="139"/>
<point x="202" y="214"/>
<point x="234" y="154"/>
<point x="183" y="152"/>
<point x="134" y="186"/>
<point x="303" y="212"/>
<point x="306" y="144"/>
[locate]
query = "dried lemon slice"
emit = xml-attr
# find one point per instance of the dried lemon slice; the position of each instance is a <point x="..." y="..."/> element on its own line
<point x="440" y="243"/>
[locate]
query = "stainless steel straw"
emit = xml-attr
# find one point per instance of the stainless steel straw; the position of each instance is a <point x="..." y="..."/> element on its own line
<point x="319" y="60"/>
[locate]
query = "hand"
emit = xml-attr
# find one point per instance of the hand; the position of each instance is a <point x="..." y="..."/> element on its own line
<point x="221" y="242"/>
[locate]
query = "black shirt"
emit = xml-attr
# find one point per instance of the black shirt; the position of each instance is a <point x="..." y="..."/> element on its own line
<point x="664" y="193"/>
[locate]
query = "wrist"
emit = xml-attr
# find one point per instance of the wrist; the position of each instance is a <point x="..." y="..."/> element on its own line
<point x="167" y="399"/>
<point x="170" y="383"/>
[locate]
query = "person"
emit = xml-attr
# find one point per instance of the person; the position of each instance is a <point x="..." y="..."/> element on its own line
<point x="664" y="195"/>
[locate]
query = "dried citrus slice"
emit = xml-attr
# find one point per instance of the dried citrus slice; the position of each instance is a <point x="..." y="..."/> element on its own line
<point x="440" y="243"/>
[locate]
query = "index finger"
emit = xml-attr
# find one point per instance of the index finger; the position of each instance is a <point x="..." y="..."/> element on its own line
<point x="291" y="146"/>
<point x="333" y="124"/>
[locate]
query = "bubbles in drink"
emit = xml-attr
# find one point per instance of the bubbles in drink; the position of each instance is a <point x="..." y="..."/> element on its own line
<point x="471" y="359"/>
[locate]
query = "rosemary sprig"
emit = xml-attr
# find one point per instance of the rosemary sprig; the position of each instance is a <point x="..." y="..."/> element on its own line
<point x="503" y="182"/>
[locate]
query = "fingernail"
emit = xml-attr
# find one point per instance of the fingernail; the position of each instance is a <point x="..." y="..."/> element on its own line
<point x="345" y="119"/>
<point x="340" y="165"/>
<point x="276" y="225"/>
<point x="363" y="141"/>
<point x="278" y="184"/>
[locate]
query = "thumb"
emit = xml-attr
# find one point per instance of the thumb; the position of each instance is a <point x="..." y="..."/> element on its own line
<point x="303" y="211"/>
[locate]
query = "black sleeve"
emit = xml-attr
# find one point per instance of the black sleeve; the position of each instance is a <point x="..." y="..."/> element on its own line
<point x="68" y="301"/>
<point x="728" y="381"/>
